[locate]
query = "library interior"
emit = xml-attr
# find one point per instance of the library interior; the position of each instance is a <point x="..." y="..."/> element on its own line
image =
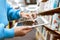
<point x="38" y="20"/>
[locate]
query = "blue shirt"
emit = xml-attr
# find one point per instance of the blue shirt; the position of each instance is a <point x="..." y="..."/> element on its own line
<point x="7" y="13"/>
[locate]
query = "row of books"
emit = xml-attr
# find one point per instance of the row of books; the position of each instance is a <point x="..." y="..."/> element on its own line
<point x="44" y="6"/>
<point x="42" y="30"/>
<point x="45" y="34"/>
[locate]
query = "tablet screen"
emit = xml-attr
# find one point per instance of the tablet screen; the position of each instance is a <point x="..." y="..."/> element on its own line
<point x="25" y="23"/>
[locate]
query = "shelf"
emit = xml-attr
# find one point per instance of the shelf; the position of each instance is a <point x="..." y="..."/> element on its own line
<point x="52" y="31"/>
<point x="50" y="12"/>
<point x="55" y="34"/>
<point x="40" y="34"/>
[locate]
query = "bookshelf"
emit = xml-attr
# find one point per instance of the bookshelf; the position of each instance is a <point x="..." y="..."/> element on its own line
<point x="55" y="34"/>
<point x="47" y="33"/>
<point x="52" y="31"/>
<point x="50" y="34"/>
<point x="39" y="35"/>
<point x="50" y="12"/>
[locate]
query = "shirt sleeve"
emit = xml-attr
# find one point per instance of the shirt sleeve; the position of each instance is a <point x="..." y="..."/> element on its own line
<point x="12" y="13"/>
<point x="6" y="33"/>
<point x="1" y="31"/>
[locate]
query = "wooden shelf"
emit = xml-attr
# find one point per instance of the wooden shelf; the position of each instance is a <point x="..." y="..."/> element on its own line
<point x="50" y="12"/>
<point x="52" y="31"/>
<point x="56" y="34"/>
<point x="40" y="34"/>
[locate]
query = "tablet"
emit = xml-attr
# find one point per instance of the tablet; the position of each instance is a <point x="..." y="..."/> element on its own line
<point x="38" y="22"/>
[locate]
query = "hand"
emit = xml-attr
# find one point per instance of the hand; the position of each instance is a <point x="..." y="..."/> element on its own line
<point x="34" y="15"/>
<point x="24" y="15"/>
<point x="22" y="31"/>
<point x="28" y="15"/>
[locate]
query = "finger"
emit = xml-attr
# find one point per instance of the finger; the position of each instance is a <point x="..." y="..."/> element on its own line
<point x="26" y="27"/>
<point x="26" y="17"/>
<point x="26" y="31"/>
<point x="34" y="16"/>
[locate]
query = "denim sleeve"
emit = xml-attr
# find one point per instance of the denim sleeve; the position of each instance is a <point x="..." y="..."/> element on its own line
<point x="12" y="14"/>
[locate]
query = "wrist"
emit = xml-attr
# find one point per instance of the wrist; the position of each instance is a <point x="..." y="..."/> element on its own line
<point x="21" y="14"/>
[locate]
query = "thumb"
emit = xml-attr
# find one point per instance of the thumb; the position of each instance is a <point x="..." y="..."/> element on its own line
<point x="27" y="27"/>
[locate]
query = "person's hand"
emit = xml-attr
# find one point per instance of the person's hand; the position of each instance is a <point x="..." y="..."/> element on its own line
<point x="22" y="31"/>
<point x="33" y="14"/>
<point x="28" y="15"/>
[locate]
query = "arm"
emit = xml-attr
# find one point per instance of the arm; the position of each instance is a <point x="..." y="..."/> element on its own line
<point x="16" y="14"/>
<point x="14" y="32"/>
<point x="9" y="33"/>
<point x="1" y="31"/>
<point x="5" y="33"/>
<point x="12" y="13"/>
